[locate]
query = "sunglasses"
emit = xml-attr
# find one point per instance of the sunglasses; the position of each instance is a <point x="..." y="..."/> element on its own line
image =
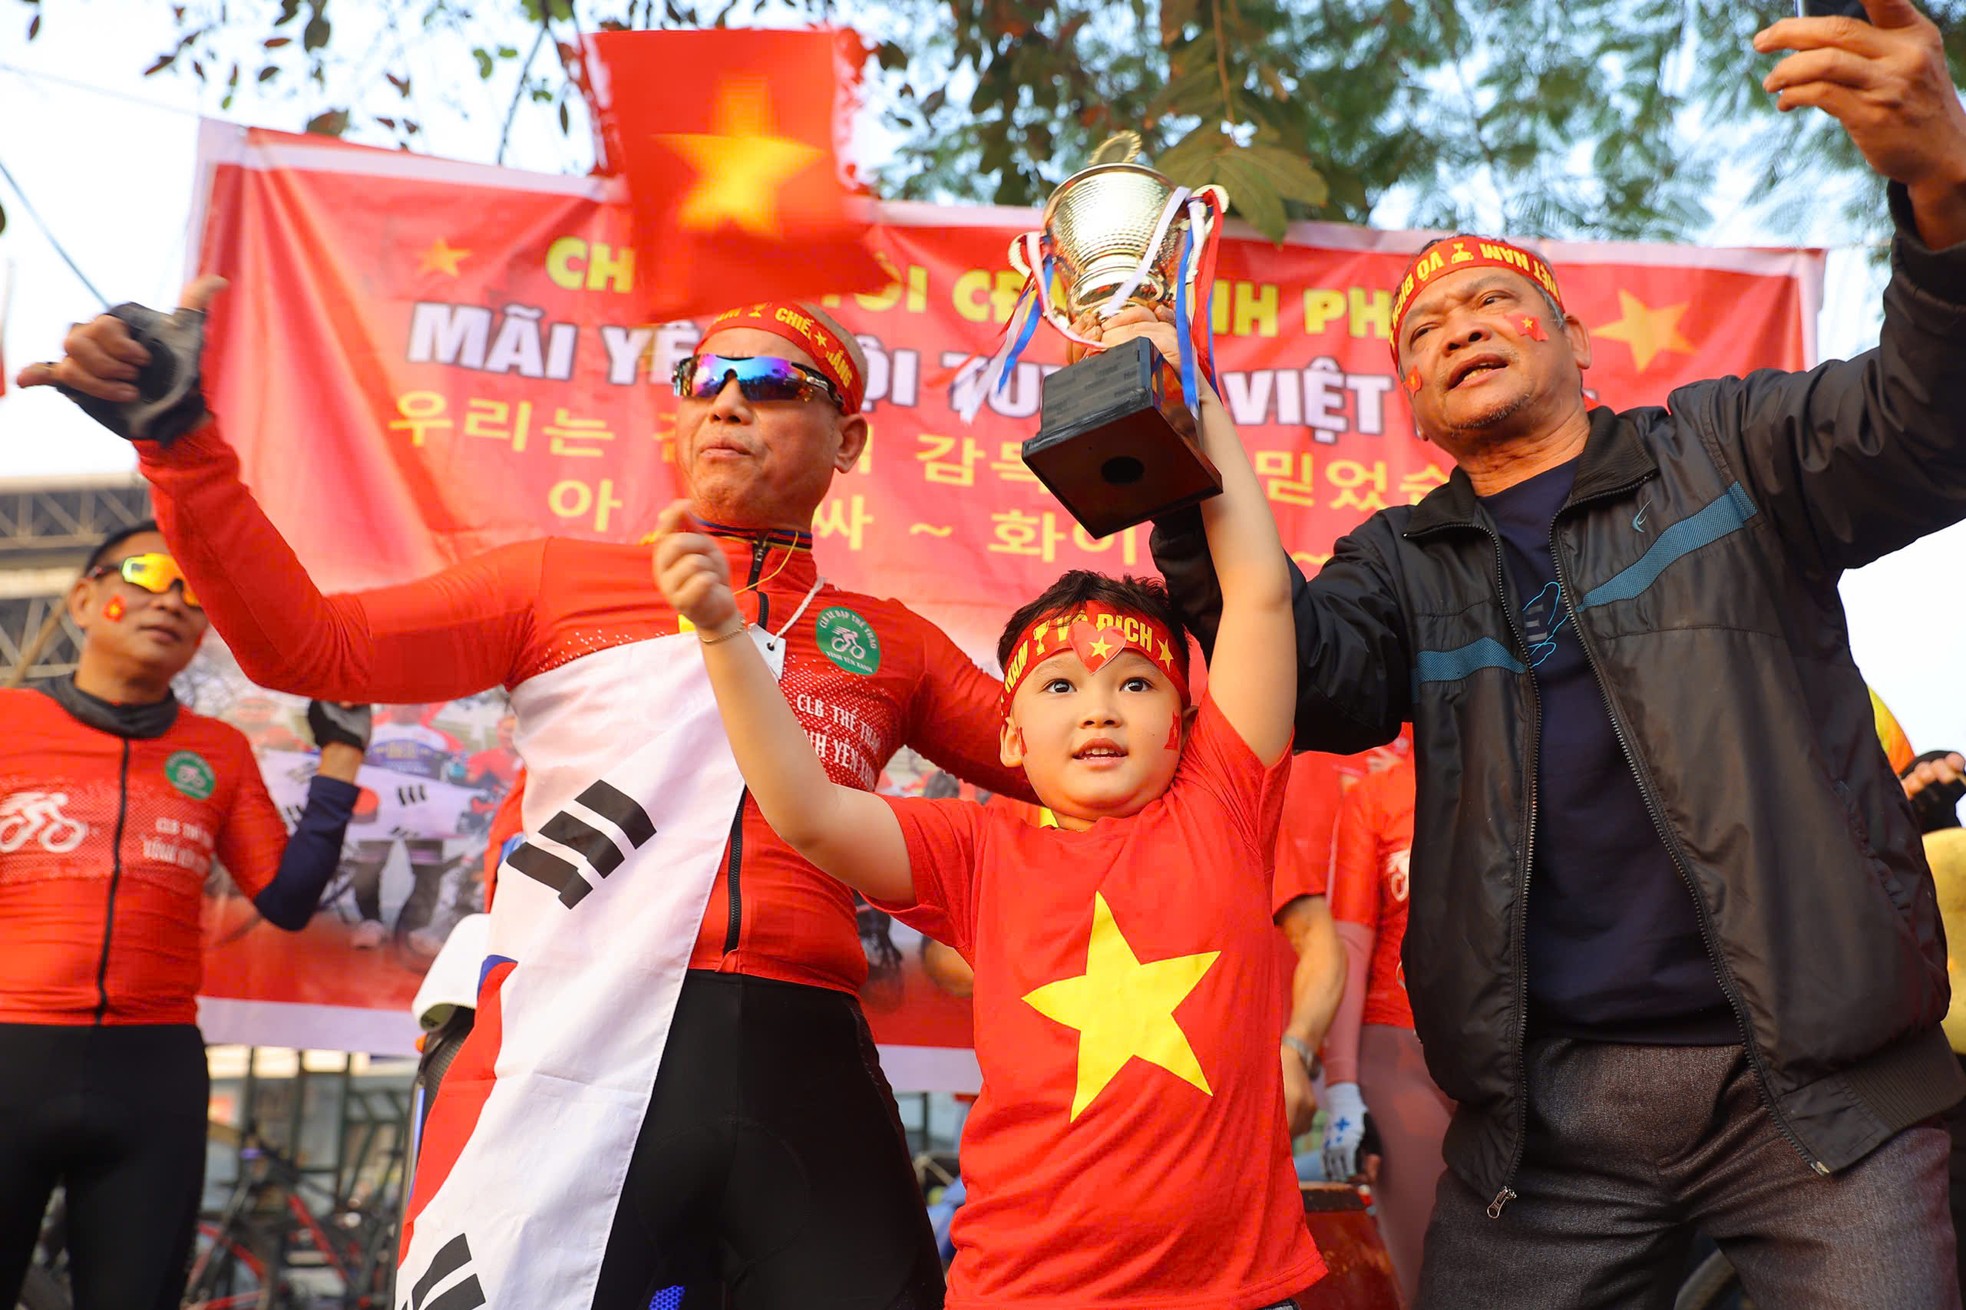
<point x="153" y="571"/>
<point x="758" y="378"/>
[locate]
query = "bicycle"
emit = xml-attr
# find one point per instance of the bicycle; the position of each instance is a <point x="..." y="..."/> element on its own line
<point x="268" y="1248"/>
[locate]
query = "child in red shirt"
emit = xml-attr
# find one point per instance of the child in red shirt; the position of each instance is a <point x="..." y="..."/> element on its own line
<point x="1129" y="1146"/>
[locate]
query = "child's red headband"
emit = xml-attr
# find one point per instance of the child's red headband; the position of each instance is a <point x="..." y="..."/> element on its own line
<point x="1097" y="632"/>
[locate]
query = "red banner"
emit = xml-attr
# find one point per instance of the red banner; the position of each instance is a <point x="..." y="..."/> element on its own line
<point x="445" y="354"/>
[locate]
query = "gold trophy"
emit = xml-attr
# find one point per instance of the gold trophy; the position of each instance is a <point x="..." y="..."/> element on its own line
<point x="1117" y="441"/>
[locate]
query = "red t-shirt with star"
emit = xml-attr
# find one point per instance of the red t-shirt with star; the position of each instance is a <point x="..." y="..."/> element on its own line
<point x="1129" y="1146"/>
<point x="1368" y="882"/>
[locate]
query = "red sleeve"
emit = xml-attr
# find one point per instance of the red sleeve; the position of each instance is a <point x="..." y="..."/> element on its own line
<point x="1355" y="858"/>
<point x="1217" y="757"/>
<point x="956" y="718"/>
<point x="507" y="822"/>
<point x="944" y="838"/>
<point x="1310" y="812"/>
<point x="445" y="636"/>
<point x="254" y="837"/>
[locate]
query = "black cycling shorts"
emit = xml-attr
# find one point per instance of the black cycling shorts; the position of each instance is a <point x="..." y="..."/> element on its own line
<point x="116" y="1115"/>
<point x="771" y="1162"/>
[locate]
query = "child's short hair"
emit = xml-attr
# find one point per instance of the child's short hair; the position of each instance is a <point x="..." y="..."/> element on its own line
<point x="1146" y="596"/>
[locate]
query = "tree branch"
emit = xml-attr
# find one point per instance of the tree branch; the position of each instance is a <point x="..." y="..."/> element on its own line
<point x="512" y="110"/>
<point x="1222" y="62"/>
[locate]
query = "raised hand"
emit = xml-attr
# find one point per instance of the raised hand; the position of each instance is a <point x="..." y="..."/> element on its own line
<point x="1133" y="321"/>
<point x="333" y="722"/>
<point x="138" y="391"/>
<point x="1887" y="83"/>
<point x="691" y="571"/>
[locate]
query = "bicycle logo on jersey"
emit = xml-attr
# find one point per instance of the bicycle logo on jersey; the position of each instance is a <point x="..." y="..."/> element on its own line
<point x="848" y="640"/>
<point x="27" y="816"/>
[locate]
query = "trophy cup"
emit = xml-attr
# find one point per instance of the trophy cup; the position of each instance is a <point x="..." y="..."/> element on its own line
<point x="1117" y="441"/>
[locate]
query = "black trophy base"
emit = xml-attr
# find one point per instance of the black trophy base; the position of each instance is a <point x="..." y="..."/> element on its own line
<point x="1116" y="443"/>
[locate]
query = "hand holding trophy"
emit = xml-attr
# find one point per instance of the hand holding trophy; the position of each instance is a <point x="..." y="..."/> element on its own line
<point x="1116" y="439"/>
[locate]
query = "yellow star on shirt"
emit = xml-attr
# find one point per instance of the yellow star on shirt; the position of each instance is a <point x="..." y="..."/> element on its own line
<point x="1124" y="1009"/>
<point x="441" y="258"/>
<point x="1646" y="330"/>
<point x="741" y="164"/>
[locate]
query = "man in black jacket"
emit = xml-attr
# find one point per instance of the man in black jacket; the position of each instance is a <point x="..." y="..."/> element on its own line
<point x="1672" y="946"/>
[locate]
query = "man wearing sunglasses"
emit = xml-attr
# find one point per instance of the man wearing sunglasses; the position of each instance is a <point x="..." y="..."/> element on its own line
<point x="114" y="803"/>
<point x="767" y="1154"/>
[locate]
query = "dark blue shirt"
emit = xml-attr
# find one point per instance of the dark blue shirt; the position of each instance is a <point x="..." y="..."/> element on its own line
<point x="1615" y="952"/>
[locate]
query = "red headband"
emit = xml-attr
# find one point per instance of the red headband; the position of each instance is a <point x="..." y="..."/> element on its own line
<point x="1457" y="253"/>
<point x="800" y="326"/>
<point x="1098" y="632"/>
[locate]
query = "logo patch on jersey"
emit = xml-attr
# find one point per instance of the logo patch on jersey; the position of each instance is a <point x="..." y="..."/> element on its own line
<point x="848" y="640"/>
<point x="190" y="774"/>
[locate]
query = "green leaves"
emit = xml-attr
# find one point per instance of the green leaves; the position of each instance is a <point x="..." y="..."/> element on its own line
<point x="331" y="123"/>
<point x="1564" y="118"/>
<point x="316" y="34"/>
<point x="1263" y="179"/>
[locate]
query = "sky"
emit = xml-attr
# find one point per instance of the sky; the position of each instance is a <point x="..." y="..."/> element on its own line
<point x="106" y="158"/>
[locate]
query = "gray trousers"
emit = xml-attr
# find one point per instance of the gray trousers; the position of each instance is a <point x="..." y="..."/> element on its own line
<point x="1632" y="1147"/>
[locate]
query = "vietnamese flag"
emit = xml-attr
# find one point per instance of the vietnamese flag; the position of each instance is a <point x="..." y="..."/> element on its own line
<point x="728" y="141"/>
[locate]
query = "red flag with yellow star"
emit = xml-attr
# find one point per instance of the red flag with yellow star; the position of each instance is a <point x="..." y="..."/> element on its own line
<point x="728" y="141"/>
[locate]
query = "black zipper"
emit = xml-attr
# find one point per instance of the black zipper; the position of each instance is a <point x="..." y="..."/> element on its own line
<point x="115" y="878"/>
<point x="731" y="889"/>
<point x="1671" y="843"/>
<point x="1508" y="1193"/>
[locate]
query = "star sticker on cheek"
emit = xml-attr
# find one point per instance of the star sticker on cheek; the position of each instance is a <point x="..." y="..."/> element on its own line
<point x="1413" y="383"/>
<point x="1532" y="327"/>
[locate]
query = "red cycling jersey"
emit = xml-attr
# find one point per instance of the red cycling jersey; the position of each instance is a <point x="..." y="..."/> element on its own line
<point x="1368" y="881"/>
<point x="865" y="676"/>
<point x="105" y="845"/>
<point x="1310" y="808"/>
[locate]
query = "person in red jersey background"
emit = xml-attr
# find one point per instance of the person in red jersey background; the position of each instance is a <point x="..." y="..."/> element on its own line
<point x="115" y="803"/>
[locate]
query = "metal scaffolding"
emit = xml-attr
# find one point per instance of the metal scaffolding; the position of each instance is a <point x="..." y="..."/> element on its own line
<point x="48" y="526"/>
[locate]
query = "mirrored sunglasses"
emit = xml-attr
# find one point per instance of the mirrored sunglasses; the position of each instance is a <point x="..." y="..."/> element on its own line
<point x="153" y="571"/>
<point x="758" y="378"/>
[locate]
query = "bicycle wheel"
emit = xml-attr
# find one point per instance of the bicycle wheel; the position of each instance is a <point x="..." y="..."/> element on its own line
<point x="42" y="1291"/>
<point x="225" y="1274"/>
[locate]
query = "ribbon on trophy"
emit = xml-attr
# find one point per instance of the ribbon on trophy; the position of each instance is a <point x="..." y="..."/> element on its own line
<point x="1036" y="255"/>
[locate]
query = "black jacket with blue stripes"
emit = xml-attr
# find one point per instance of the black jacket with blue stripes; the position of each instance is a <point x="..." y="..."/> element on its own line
<point x="1702" y="542"/>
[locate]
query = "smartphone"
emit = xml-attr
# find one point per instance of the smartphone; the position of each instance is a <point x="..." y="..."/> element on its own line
<point x="1831" y="9"/>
